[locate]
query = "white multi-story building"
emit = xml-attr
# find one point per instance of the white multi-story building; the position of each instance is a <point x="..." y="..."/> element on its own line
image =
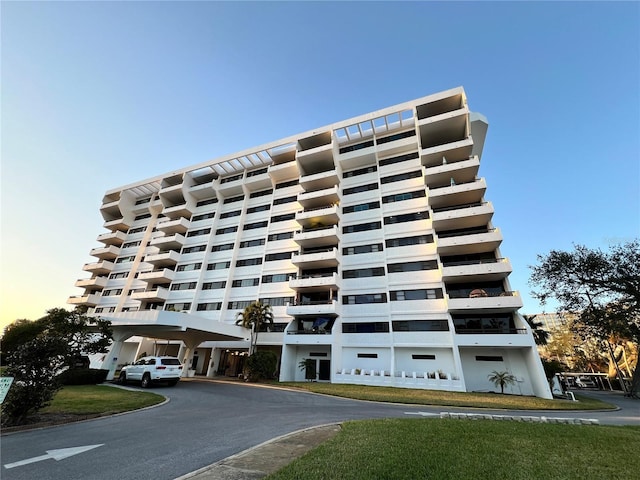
<point x="371" y="239"/>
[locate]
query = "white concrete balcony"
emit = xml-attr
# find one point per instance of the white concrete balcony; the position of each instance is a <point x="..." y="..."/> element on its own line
<point x="462" y="216"/>
<point x="398" y="147"/>
<point x="163" y="259"/>
<point x="482" y="270"/>
<point x="463" y="170"/>
<point x="230" y="186"/>
<point x="457" y="194"/>
<point x="93" y="283"/>
<point x="156" y="294"/>
<point x="172" y="191"/>
<point x="324" y="307"/>
<point x="283" y="171"/>
<point x="116" y="238"/>
<point x="326" y="214"/>
<point x="180" y="225"/>
<point x="119" y="224"/>
<point x="319" y="197"/>
<point x="319" y="181"/>
<point x="90" y="299"/>
<point x="168" y="242"/>
<point x="315" y="282"/>
<point x="98" y="268"/>
<point x="317" y="237"/>
<point x="456" y="150"/>
<point x="176" y="211"/>
<point x="489" y="303"/>
<point x="203" y="190"/>
<point x="105" y="253"/>
<point x="254" y="183"/>
<point x="321" y="154"/>
<point x="517" y="337"/>
<point x="360" y="158"/>
<point x="325" y="258"/>
<point x="164" y="275"/>
<point x="472" y="243"/>
<point x="444" y="127"/>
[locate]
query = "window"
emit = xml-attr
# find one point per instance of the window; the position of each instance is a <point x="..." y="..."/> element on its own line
<point x="222" y="247"/>
<point x="253" y="226"/>
<point x="282" y="201"/>
<point x="400" y="177"/>
<point x="196" y="233"/>
<point x="137" y="230"/>
<point x="365" y="327"/>
<point x="131" y="244"/>
<point x="119" y="275"/>
<point x="397" y="136"/>
<point x="412" y="266"/>
<point x="374" y="247"/>
<point x="240" y="305"/>
<point x="218" y="265"/>
<point x="278" y="256"/>
<point x="143" y="216"/>
<point x="259" y="171"/>
<point x="399" y="197"/>
<point x="361" y="207"/>
<point x="360" y="171"/>
<point x="419" y="356"/>
<point x="134" y="290"/>
<point x="208" y="201"/>
<point x="214" y="285"/>
<point x="488" y="358"/>
<point x="407" y="217"/>
<point x="357" y="146"/>
<point x="420" y="294"/>
<point x="406" y="241"/>
<point x="485" y="324"/>
<point x="177" y="307"/>
<point x="222" y="231"/>
<point x="261" y="193"/>
<point x="252" y="243"/>
<point x="187" y="267"/>
<point x="362" y="227"/>
<point x="246" y="282"/>
<point x="234" y="213"/>
<point x="203" y="216"/>
<point x="260" y="208"/>
<point x="277" y="301"/>
<point x="365" y="298"/>
<point x="420" y="326"/>
<point x="283" y="218"/>
<point x="183" y="286"/>
<point x="209" y="306"/>
<point x="363" y="272"/>
<point x="360" y="188"/>
<point x="249" y="262"/>
<point x="142" y="201"/>
<point x="290" y="183"/>
<point x="231" y="178"/>
<point x="194" y="249"/>
<point x="280" y="236"/>
<point x="277" y="278"/>
<point x="367" y="355"/>
<point x="111" y="293"/>
<point x="126" y="259"/>
<point x="401" y="158"/>
<point x="237" y="198"/>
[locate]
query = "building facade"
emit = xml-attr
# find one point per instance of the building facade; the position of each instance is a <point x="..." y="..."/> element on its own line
<point x="371" y="239"/>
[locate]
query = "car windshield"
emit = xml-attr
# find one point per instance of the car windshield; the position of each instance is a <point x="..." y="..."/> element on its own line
<point x="170" y="361"/>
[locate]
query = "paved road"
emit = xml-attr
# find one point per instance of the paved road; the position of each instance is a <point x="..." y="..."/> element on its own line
<point x="203" y="422"/>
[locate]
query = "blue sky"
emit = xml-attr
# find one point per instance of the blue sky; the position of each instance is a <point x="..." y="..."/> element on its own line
<point x="98" y="95"/>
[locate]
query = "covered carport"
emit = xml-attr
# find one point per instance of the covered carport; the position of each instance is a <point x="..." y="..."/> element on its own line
<point x="165" y="325"/>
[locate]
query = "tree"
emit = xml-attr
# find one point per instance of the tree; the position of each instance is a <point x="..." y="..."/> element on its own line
<point x="540" y="335"/>
<point x="261" y="365"/>
<point x="500" y="379"/>
<point x="254" y="317"/>
<point x="18" y="333"/>
<point x="601" y="288"/>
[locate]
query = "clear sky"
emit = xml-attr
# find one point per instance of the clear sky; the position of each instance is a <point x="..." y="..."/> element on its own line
<point x="99" y="95"/>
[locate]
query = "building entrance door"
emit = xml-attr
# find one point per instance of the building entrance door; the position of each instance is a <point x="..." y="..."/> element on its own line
<point x="324" y="372"/>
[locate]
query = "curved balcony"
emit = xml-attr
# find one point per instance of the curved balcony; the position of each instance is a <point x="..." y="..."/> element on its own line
<point x="481" y="301"/>
<point x="105" y="253"/>
<point x="464" y="170"/>
<point x="93" y="283"/>
<point x="156" y="294"/>
<point x="98" y="268"/>
<point x="314" y="282"/>
<point x="318" y="198"/>
<point x="479" y="242"/>
<point x="163" y="259"/>
<point x="164" y="275"/>
<point x="318" y="307"/>
<point x="180" y="225"/>
<point x="90" y="299"/>
<point x="484" y="270"/>
<point x="116" y="238"/>
<point x="462" y="216"/>
<point x="324" y="214"/>
<point x="168" y="242"/>
<point x="316" y="258"/>
<point x="317" y="237"/>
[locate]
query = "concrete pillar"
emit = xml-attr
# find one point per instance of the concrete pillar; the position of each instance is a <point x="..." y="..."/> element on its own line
<point x="111" y="361"/>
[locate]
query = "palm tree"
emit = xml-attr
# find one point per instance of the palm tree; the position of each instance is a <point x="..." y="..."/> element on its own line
<point x="253" y="317"/>
<point x="540" y="335"/>
<point x="501" y="379"/>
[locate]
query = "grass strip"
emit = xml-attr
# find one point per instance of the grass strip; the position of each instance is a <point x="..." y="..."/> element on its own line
<point x="452" y="399"/>
<point x="99" y="399"/>
<point x="470" y="449"/>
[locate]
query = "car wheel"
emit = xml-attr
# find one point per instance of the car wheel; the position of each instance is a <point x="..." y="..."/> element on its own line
<point x="122" y="379"/>
<point x="146" y="381"/>
<point x="173" y="383"/>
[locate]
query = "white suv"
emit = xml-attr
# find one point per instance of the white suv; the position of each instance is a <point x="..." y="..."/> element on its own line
<point x="152" y="369"/>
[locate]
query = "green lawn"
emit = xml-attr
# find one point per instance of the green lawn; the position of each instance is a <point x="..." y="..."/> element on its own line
<point x="99" y="399"/>
<point x="470" y="449"/>
<point x="452" y="399"/>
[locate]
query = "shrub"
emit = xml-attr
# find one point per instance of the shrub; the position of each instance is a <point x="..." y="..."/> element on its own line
<point x="82" y="376"/>
<point x="261" y="365"/>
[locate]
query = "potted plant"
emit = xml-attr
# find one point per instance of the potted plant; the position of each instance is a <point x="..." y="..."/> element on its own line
<point x="308" y="366"/>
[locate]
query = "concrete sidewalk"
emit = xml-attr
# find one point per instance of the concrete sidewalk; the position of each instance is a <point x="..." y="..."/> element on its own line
<point x="267" y="458"/>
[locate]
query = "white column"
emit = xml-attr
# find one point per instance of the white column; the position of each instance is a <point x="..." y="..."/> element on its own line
<point x="111" y="361"/>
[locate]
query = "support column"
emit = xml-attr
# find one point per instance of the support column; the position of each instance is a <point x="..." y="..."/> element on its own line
<point x="187" y="357"/>
<point x="111" y="361"/>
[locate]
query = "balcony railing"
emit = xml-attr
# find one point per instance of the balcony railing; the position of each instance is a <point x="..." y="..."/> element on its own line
<point x="458" y="207"/>
<point x="479" y="293"/>
<point x="460" y="233"/>
<point x="491" y="331"/>
<point x="473" y="262"/>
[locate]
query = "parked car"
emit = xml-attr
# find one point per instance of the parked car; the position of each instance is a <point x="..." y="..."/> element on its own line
<point x="585" y="382"/>
<point x="149" y="370"/>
